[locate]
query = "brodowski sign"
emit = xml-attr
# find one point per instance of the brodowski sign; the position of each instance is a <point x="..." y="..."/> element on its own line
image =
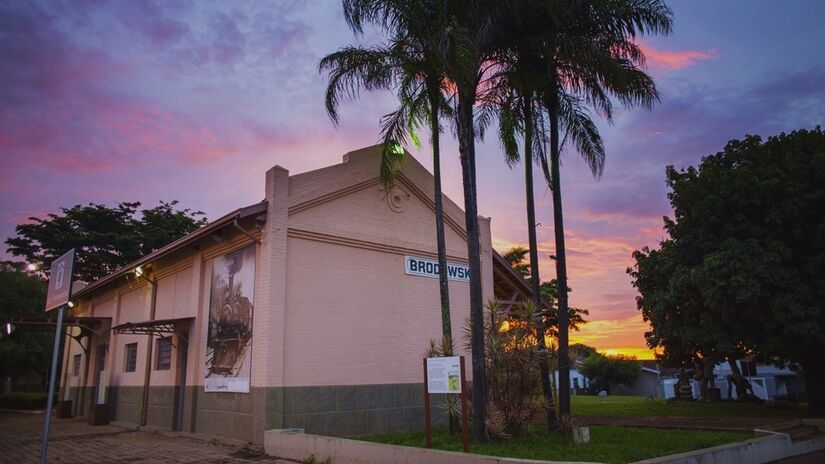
<point x="429" y="268"/>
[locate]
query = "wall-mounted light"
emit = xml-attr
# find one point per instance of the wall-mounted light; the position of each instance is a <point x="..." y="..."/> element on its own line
<point x="8" y="328"/>
<point x="397" y="149"/>
<point x="141" y="273"/>
<point x="71" y="305"/>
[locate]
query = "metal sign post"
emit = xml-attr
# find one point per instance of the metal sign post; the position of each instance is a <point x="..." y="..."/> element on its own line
<point x="445" y="375"/>
<point x="59" y="293"/>
<point x="52" y="377"/>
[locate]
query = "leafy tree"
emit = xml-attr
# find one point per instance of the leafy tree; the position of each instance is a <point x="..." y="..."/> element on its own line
<point x="581" y="351"/>
<point x="26" y="349"/>
<point x="549" y="292"/>
<point x="410" y="64"/>
<point x="516" y="258"/>
<point x="603" y="370"/>
<point x="105" y="238"/>
<point x="741" y="269"/>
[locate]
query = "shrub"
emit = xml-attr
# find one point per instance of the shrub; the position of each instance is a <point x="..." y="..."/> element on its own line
<point x="24" y="400"/>
<point x="511" y="368"/>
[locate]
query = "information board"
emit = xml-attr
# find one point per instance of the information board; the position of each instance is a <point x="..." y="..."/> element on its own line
<point x="444" y="375"/>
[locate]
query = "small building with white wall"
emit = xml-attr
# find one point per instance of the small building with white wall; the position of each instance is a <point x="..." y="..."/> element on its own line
<point x="311" y="309"/>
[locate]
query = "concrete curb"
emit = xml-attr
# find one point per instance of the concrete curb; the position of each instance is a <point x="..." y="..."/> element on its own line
<point x="761" y="450"/>
<point x="294" y="445"/>
<point x="297" y="446"/>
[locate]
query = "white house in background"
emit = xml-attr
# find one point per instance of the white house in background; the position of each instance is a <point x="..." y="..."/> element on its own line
<point x="769" y="382"/>
<point x="578" y="382"/>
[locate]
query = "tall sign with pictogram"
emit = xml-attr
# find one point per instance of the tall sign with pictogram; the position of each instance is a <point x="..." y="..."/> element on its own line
<point x="58" y="296"/>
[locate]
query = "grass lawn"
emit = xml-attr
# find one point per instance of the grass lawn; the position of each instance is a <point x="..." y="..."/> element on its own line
<point x="611" y="444"/>
<point x="637" y="406"/>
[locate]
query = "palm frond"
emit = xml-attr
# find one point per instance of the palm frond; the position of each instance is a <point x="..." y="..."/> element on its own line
<point x="582" y="131"/>
<point x="353" y="68"/>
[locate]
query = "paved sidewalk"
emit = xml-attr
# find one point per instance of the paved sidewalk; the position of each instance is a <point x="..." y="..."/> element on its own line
<point x="73" y="441"/>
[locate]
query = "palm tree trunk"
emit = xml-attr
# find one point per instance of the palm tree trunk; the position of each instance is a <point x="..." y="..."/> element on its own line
<point x="738" y="380"/>
<point x="466" y="148"/>
<point x="443" y="284"/>
<point x="535" y="281"/>
<point x="446" y="326"/>
<point x="561" y="261"/>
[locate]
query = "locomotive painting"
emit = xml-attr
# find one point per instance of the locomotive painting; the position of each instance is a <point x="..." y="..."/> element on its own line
<point x="229" y="337"/>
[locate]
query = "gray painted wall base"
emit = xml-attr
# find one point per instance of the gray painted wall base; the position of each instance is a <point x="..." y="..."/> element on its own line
<point x="338" y="410"/>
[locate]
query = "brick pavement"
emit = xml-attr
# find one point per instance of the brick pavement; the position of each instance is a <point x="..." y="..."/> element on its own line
<point x="73" y="441"/>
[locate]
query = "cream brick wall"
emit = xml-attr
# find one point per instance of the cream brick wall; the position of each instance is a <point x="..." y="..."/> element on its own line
<point x="134" y="307"/>
<point x="270" y="292"/>
<point x="332" y="303"/>
<point x="174" y="295"/>
<point x="354" y="316"/>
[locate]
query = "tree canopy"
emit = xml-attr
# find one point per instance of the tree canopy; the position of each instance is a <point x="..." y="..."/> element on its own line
<point x="603" y="370"/>
<point x="516" y="257"/>
<point x="741" y="269"/>
<point x="105" y="238"/>
<point x="23" y="350"/>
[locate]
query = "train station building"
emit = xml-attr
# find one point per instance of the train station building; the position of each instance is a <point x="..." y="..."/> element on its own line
<point x="311" y="309"/>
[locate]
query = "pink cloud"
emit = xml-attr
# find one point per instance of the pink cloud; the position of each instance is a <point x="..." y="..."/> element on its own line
<point x="666" y="60"/>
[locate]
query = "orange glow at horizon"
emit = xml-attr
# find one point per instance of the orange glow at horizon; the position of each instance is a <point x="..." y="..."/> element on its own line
<point x="616" y="336"/>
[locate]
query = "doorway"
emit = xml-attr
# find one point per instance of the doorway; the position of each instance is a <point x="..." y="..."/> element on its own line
<point x="180" y="384"/>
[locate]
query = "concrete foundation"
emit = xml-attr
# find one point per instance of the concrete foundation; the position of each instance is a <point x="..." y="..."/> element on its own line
<point x="337" y="410"/>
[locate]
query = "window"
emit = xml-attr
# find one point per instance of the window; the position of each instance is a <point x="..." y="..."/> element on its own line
<point x="163" y="361"/>
<point x="130" y="355"/>
<point x="76" y="365"/>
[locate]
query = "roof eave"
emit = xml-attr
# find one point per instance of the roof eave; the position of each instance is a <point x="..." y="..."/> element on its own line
<point x="174" y="246"/>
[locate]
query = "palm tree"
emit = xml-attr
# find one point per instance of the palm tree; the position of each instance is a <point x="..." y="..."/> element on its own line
<point x="458" y="32"/>
<point x="409" y="63"/>
<point x="514" y="99"/>
<point x="590" y="56"/>
<point x="467" y="45"/>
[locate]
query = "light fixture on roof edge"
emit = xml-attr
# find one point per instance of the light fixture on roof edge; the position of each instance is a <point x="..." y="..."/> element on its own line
<point x="141" y="273"/>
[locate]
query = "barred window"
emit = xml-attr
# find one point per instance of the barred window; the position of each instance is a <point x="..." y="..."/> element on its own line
<point x="163" y="361"/>
<point x="76" y="365"/>
<point x="130" y="355"/>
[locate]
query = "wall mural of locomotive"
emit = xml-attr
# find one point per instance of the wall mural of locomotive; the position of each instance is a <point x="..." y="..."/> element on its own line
<point x="229" y="337"/>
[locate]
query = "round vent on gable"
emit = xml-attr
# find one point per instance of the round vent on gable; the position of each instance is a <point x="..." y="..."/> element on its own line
<point x="397" y="199"/>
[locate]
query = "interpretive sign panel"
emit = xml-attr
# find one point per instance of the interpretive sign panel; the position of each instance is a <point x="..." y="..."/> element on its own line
<point x="60" y="281"/>
<point x="429" y="268"/>
<point x="229" y="339"/>
<point x="444" y="375"/>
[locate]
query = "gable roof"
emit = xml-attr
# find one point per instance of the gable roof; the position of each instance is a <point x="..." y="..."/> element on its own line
<point x="359" y="169"/>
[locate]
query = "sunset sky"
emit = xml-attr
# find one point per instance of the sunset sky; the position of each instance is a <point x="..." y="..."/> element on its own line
<point x="193" y="101"/>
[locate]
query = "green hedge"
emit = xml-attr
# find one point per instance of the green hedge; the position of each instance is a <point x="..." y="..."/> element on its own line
<point x="24" y="400"/>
